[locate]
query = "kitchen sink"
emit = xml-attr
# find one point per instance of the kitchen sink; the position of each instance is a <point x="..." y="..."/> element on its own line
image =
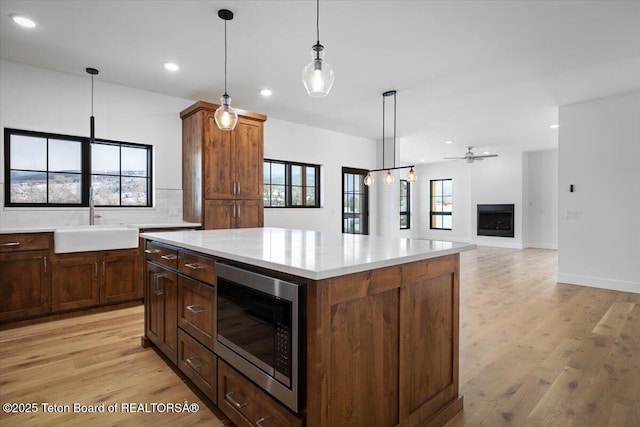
<point x="94" y="238"/>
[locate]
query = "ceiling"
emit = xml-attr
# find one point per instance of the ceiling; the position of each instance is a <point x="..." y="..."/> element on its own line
<point x="490" y="74"/>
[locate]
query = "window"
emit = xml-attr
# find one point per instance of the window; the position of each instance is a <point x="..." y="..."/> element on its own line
<point x="441" y="204"/>
<point x="405" y="204"/>
<point x="291" y="185"/>
<point x="355" y="201"/>
<point x="120" y="174"/>
<point x="50" y="170"/>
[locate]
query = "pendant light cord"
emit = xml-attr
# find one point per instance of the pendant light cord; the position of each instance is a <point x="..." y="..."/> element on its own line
<point x="394" y="129"/>
<point x="318" y="20"/>
<point x="383" y="135"/>
<point x="92" y="94"/>
<point x="225" y="57"/>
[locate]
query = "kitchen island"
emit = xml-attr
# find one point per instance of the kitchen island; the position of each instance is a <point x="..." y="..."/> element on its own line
<point x="380" y="329"/>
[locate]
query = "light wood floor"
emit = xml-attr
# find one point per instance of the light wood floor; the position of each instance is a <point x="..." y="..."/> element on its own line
<point x="532" y="353"/>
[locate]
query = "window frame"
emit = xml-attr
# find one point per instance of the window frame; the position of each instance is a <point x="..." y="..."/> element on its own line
<point x="288" y="185"/>
<point x="364" y="215"/>
<point x="85" y="169"/>
<point x="407" y="212"/>
<point x="433" y="214"/>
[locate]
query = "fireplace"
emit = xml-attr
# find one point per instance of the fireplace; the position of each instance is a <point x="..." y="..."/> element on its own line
<point x="495" y="220"/>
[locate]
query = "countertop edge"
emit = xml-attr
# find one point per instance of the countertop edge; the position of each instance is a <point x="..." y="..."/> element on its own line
<point x="309" y="274"/>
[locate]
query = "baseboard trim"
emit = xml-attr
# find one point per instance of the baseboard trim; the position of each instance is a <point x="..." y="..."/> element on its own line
<point x="497" y="244"/>
<point x="541" y="246"/>
<point x="600" y="282"/>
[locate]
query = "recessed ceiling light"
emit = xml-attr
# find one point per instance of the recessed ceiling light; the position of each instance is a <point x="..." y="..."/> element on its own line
<point x="449" y="141"/>
<point x="266" y="92"/>
<point x="170" y="66"/>
<point x="422" y="160"/>
<point x="23" y="21"/>
<point x="486" y="152"/>
<point x="556" y="126"/>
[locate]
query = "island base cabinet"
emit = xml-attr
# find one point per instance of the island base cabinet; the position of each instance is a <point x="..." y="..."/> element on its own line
<point x="248" y="406"/>
<point x="25" y="289"/>
<point x="162" y="310"/>
<point x="383" y="346"/>
<point x="199" y="364"/>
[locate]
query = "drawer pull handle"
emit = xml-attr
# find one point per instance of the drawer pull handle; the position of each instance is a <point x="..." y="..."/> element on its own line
<point x="10" y="244"/>
<point x="193" y="265"/>
<point x="233" y="401"/>
<point x="260" y="421"/>
<point x="190" y="360"/>
<point x="152" y="251"/>
<point x="193" y="309"/>
<point x="169" y="257"/>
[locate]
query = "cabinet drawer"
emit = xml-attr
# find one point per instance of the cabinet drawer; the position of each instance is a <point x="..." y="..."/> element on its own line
<point x="197" y="266"/>
<point x="196" y="303"/>
<point x="197" y="363"/>
<point x="165" y="255"/>
<point x="247" y="405"/>
<point x="24" y="242"/>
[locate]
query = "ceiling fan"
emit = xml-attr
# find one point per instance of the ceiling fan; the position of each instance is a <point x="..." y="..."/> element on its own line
<point x="469" y="157"/>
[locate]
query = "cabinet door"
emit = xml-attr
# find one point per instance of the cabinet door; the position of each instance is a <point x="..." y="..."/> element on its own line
<point x="162" y="309"/>
<point x="120" y="275"/>
<point x="429" y="325"/>
<point x="196" y="305"/>
<point x="249" y="213"/>
<point x="219" y="214"/>
<point x="199" y="364"/>
<point x="218" y="151"/>
<point x="74" y="282"/>
<point x="248" y="159"/>
<point x="25" y="289"/>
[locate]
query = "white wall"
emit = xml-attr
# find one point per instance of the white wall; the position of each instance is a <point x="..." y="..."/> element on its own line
<point x="294" y="142"/>
<point x="47" y="101"/>
<point x="498" y="181"/>
<point x="599" y="153"/>
<point x="459" y="172"/>
<point x="541" y="199"/>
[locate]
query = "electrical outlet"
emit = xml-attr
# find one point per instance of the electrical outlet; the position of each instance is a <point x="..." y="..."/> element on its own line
<point x="174" y="211"/>
<point x="571" y="214"/>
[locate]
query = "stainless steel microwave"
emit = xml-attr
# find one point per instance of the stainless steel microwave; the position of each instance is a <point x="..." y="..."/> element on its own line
<point x="259" y="326"/>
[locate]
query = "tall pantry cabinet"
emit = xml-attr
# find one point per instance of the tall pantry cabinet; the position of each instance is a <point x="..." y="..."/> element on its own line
<point x="222" y="170"/>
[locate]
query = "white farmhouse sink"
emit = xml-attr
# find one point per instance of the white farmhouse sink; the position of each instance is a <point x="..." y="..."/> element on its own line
<point x="94" y="238"/>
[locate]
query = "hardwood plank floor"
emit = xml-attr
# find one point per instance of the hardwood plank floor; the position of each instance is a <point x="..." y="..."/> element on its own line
<point x="91" y="360"/>
<point x="532" y="353"/>
<point x="537" y="353"/>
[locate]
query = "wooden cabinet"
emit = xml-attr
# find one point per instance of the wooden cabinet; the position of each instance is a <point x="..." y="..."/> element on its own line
<point x="25" y="285"/>
<point x="199" y="364"/>
<point x="383" y="346"/>
<point x="222" y="170"/>
<point x="161" y="309"/>
<point x="196" y="305"/>
<point x="222" y="214"/>
<point x="87" y="279"/>
<point x="247" y="405"/>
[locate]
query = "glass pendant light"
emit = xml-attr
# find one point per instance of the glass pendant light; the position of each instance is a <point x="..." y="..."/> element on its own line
<point x="368" y="180"/>
<point x="317" y="76"/>
<point x="388" y="178"/>
<point x="92" y="127"/>
<point x="412" y="177"/>
<point x="225" y="116"/>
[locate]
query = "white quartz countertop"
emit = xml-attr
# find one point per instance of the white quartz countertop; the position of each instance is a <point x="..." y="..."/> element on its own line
<point x="52" y="228"/>
<point x="310" y="254"/>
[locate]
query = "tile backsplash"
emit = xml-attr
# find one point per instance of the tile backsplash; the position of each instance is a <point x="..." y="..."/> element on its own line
<point x="167" y="209"/>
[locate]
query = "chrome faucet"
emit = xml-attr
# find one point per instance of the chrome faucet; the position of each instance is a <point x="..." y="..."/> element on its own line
<point x="92" y="208"/>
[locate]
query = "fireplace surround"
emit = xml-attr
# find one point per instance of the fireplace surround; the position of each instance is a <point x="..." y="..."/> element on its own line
<point x="496" y="220"/>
